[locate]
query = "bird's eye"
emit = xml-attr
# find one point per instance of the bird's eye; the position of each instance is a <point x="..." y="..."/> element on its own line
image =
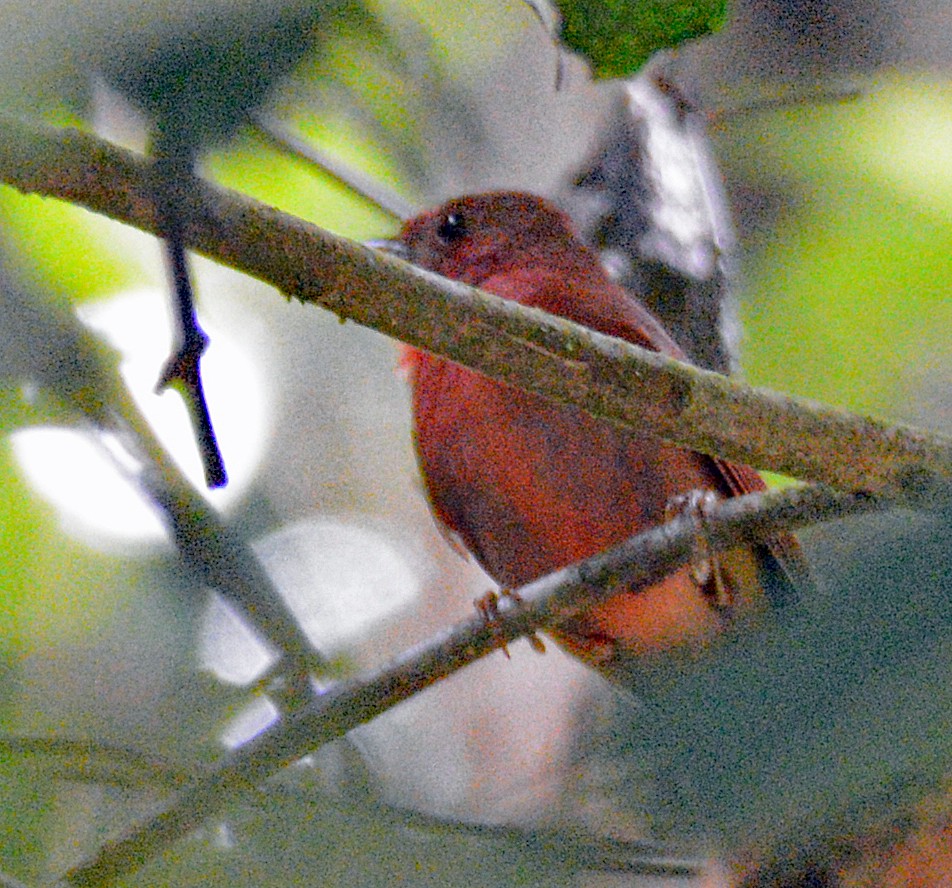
<point x="452" y="228"/>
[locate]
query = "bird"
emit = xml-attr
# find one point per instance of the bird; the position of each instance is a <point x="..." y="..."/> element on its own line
<point x="530" y="486"/>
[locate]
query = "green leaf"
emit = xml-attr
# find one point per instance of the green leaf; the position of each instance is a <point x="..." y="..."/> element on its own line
<point x="618" y="36"/>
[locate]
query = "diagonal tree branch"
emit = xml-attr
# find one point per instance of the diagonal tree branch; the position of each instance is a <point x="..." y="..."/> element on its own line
<point x="639" y="562"/>
<point x="538" y="352"/>
<point x="81" y="375"/>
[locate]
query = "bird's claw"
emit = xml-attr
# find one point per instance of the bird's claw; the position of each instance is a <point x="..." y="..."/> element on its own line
<point x="488" y="608"/>
<point x="705" y="563"/>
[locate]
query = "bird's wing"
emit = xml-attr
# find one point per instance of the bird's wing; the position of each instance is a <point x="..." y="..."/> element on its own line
<point x="622" y="315"/>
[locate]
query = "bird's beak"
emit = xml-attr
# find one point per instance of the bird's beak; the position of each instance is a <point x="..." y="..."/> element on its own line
<point x="393" y="247"/>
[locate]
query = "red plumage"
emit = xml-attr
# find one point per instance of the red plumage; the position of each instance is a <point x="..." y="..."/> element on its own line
<point x="530" y="486"/>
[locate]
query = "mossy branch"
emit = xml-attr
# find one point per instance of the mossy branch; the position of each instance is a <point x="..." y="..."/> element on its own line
<point x="528" y="348"/>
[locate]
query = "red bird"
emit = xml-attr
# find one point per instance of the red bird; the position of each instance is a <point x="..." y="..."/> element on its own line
<point x="531" y="486"/>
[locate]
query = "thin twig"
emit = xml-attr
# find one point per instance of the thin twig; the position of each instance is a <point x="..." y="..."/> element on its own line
<point x="101" y="763"/>
<point x="280" y="136"/>
<point x="639" y="562"/>
<point x="575" y="847"/>
<point x="218" y="556"/>
<point x="528" y="348"/>
<point x="182" y="370"/>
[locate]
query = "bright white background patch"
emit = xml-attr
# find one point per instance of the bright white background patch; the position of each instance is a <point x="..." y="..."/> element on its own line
<point x="75" y="471"/>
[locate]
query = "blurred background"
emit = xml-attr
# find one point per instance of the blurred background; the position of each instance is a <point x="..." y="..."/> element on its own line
<point x="835" y="726"/>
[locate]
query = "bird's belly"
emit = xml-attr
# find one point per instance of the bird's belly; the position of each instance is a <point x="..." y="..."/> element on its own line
<point x="531" y="487"/>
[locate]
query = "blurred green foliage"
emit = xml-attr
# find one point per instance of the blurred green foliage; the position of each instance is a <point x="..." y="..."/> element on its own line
<point x="854" y="280"/>
<point x="300" y="189"/>
<point x="67" y="249"/>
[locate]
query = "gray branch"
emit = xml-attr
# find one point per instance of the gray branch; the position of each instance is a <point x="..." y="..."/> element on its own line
<point x="637" y="563"/>
<point x="528" y="348"/>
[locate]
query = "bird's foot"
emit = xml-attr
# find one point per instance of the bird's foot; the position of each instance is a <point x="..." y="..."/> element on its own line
<point x="487" y="606"/>
<point x="705" y="563"/>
